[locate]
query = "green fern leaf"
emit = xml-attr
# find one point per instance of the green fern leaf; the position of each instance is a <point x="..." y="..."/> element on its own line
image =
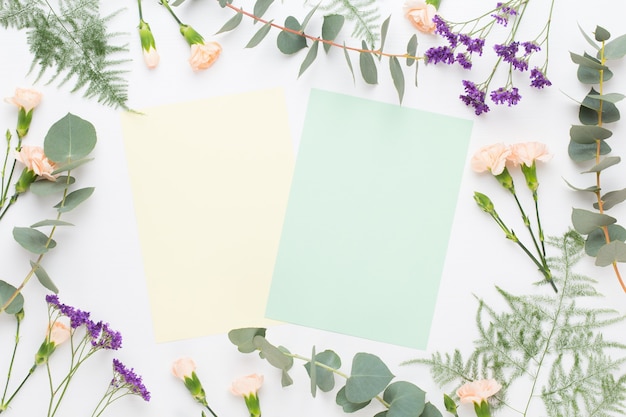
<point x="363" y="14"/>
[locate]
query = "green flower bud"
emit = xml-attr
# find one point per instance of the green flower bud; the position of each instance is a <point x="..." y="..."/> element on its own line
<point x="145" y="34"/>
<point x="26" y="179"/>
<point x="449" y="404"/>
<point x="484" y="202"/>
<point x="46" y="349"/>
<point x="191" y="36"/>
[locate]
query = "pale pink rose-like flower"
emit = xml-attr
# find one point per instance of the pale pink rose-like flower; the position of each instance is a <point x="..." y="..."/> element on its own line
<point x="183" y="367"/>
<point x="247" y="385"/>
<point x="35" y="160"/>
<point x="25" y="98"/>
<point x="204" y="55"/>
<point x="420" y="14"/>
<point x="477" y="391"/>
<point x="528" y="152"/>
<point x="151" y="58"/>
<point x="58" y="332"/>
<point x="491" y="158"/>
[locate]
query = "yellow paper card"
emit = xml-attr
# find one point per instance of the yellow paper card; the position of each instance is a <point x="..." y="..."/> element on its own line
<point x="210" y="181"/>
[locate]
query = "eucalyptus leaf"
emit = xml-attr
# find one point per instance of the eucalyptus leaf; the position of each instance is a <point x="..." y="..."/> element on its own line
<point x="397" y="75"/>
<point x="325" y="379"/>
<point x="260" y="7"/>
<point x="383" y="34"/>
<point x="611" y="252"/>
<point x="43" y="277"/>
<point x="615" y="49"/>
<point x="604" y="164"/>
<point x="368" y="378"/>
<point x="431" y="411"/>
<point x="405" y="399"/>
<point x="223" y="3"/>
<point x="33" y="240"/>
<point x="45" y="187"/>
<point x="232" y="23"/>
<point x="331" y="26"/>
<point x="611" y="199"/>
<point x="611" y="97"/>
<point x="273" y="355"/>
<point x="601" y="34"/>
<point x="69" y="139"/>
<point x="6" y="292"/>
<point x="596" y="239"/>
<point x="345" y="53"/>
<point x="51" y="222"/>
<point x="73" y="199"/>
<point x="313" y="373"/>
<point x="588" y="112"/>
<point x="307" y="18"/>
<point x="585" y="221"/>
<point x="259" y="35"/>
<point x="588" y="39"/>
<point x="587" y="62"/>
<point x="243" y="338"/>
<point x="348" y="407"/>
<point x="592" y="189"/>
<point x="411" y="50"/>
<point x="585" y="134"/>
<point x="367" y="65"/>
<point x="579" y="152"/>
<point x="70" y="165"/>
<point x="591" y="76"/>
<point x="288" y="42"/>
<point x="310" y="57"/>
<point x="285" y="379"/>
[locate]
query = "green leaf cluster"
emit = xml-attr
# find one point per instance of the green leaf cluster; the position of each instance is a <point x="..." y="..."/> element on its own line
<point x="553" y="344"/>
<point x="293" y="38"/>
<point x="589" y="142"/>
<point x="68" y="144"/>
<point x="73" y="44"/>
<point x="369" y="377"/>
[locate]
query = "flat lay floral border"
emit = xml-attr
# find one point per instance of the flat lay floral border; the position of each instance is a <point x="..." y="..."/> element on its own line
<point x="545" y="344"/>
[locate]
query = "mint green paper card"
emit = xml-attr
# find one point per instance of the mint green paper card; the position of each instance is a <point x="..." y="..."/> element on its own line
<point x="368" y="219"/>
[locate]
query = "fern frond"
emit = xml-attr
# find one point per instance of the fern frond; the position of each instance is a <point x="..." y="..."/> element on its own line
<point x="556" y="339"/>
<point x="363" y="14"/>
<point x="72" y="45"/>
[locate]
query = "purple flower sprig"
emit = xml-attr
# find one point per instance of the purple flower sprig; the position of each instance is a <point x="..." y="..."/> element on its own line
<point x="125" y="382"/>
<point x="86" y="338"/>
<point x="466" y="40"/>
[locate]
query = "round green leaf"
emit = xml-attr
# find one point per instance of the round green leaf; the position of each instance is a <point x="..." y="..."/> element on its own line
<point x="585" y="221"/>
<point x="288" y="42"/>
<point x="596" y="238"/>
<point x="331" y="27"/>
<point x="601" y="34"/>
<point x="45" y="187"/>
<point x="274" y="355"/>
<point x="586" y="152"/>
<point x="33" y="240"/>
<point x="6" y="292"/>
<point x="348" y="407"/>
<point x="325" y="379"/>
<point x="588" y="113"/>
<point x="69" y="138"/>
<point x="588" y="134"/>
<point x="405" y="400"/>
<point x="368" y="378"/>
<point x="243" y="338"/>
<point x="611" y="252"/>
<point x="615" y="49"/>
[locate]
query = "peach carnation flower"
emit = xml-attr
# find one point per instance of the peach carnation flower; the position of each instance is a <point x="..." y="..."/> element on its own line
<point x="203" y="55"/>
<point x="25" y="98"/>
<point x="151" y="58"/>
<point x="420" y="14"/>
<point x="247" y="385"/>
<point x="35" y="160"/>
<point x="58" y="332"/>
<point x="528" y="152"/>
<point x="478" y="391"/>
<point x="183" y="367"/>
<point x="491" y="158"/>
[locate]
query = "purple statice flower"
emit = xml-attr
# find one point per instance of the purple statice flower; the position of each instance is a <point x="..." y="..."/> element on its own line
<point x="530" y="47"/>
<point x="502" y="95"/>
<point x="439" y="54"/>
<point x="500" y="19"/>
<point x="508" y="54"/>
<point x="538" y="79"/>
<point x="474" y="97"/>
<point x="502" y="16"/>
<point x="77" y="317"/>
<point x="473" y="45"/>
<point x="127" y="378"/>
<point x="463" y="61"/>
<point x="442" y="28"/>
<point x="109" y="338"/>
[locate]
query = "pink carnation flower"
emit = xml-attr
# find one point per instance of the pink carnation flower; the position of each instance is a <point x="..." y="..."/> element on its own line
<point x="478" y="391"/>
<point x="528" y="152"/>
<point x="183" y="368"/>
<point x="25" y="98"/>
<point x="35" y="160"/>
<point x="247" y="385"/>
<point x="491" y="158"/>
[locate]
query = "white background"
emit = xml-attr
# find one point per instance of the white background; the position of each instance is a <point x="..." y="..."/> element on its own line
<point x="97" y="264"/>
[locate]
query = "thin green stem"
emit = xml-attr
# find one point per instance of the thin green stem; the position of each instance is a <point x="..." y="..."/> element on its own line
<point x="140" y="10"/>
<point x="169" y="9"/>
<point x="6" y="387"/>
<point x="539" y="228"/>
<point x="30" y="372"/>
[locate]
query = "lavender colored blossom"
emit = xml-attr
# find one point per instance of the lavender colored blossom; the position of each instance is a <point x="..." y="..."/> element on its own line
<point x="502" y="95"/>
<point x="503" y="14"/>
<point x="463" y="61"/>
<point x="474" y="97"/>
<point x="473" y="45"/>
<point x="500" y="19"/>
<point x="538" y="79"/>
<point x="77" y="317"/>
<point x="442" y="28"/>
<point x="439" y="54"/>
<point x="508" y="54"/>
<point x="127" y="378"/>
<point x="109" y="338"/>
<point x="530" y="47"/>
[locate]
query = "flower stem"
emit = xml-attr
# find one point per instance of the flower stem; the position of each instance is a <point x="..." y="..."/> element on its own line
<point x="169" y="9"/>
